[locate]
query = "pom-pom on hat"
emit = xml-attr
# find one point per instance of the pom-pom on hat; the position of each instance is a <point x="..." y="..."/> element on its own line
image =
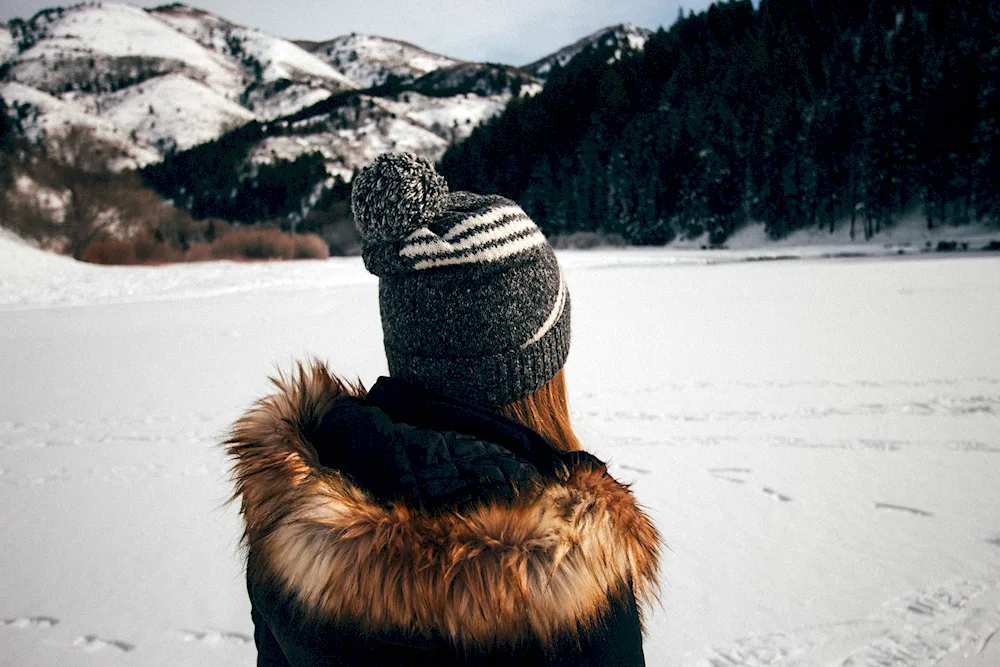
<point x="392" y="199"/>
<point x="472" y="300"/>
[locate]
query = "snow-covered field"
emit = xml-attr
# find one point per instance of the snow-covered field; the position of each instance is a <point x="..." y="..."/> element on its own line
<point x="817" y="439"/>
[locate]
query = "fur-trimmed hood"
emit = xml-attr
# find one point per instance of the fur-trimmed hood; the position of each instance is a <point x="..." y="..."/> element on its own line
<point x="545" y="564"/>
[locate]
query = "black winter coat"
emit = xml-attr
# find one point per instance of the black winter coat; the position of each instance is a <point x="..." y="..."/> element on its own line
<point x="402" y="528"/>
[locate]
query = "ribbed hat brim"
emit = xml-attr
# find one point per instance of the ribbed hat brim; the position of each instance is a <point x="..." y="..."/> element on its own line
<point x="491" y="380"/>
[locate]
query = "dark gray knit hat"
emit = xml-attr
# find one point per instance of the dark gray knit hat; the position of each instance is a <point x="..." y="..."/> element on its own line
<point x="473" y="303"/>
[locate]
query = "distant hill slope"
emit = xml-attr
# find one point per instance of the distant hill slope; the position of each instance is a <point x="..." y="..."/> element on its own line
<point x="369" y="60"/>
<point x="616" y="38"/>
<point x="160" y="81"/>
<point x="152" y="81"/>
<point x="795" y="114"/>
<point x="232" y="122"/>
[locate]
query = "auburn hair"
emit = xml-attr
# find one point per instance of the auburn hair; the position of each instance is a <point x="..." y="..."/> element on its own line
<point x="546" y="411"/>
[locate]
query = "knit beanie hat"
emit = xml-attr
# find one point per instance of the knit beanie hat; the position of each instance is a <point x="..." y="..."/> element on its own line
<point x="473" y="303"/>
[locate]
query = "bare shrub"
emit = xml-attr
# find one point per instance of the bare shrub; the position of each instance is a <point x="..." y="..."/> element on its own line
<point x="109" y="251"/>
<point x="215" y="228"/>
<point x="151" y="251"/>
<point x="142" y="250"/>
<point x="254" y="244"/>
<point x="264" y="244"/>
<point x="244" y="244"/>
<point x="72" y="196"/>
<point x="199" y="252"/>
<point x="310" y="246"/>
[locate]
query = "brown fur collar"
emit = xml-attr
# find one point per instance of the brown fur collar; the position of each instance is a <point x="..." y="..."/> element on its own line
<point x="546" y="564"/>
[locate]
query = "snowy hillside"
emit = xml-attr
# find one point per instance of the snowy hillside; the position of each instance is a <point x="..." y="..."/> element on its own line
<point x="478" y="78"/>
<point x="817" y="440"/>
<point x="81" y="65"/>
<point x="153" y="81"/>
<point x="172" y="112"/>
<point x="147" y="85"/>
<point x="7" y="47"/>
<point x="167" y="79"/>
<point x="369" y="59"/>
<point x="620" y="37"/>
<point x="351" y="137"/>
<point x="43" y="115"/>
<point x="286" y="77"/>
<point x="103" y="48"/>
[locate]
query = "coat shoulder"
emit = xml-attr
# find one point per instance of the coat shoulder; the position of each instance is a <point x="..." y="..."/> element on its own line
<point x="548" y="562"/>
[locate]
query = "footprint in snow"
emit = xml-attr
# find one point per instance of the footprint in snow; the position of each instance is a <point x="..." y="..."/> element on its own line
<point x="775" y="495"/>
<point x="726" y="474"/>
<point x="215" y="637"/>
<point x="730" y="475"/>
<point x="91" y="643"/>
<point x="902" y="508"/>
<point x="29" y="622"/>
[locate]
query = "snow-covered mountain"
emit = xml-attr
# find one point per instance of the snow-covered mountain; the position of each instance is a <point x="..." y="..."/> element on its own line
<point x="167" y="79"/>
<point x="479" y="78"/>
<point x="620" y="37"/>
<point x="369" y="60"/>
<point x="350" y="136"/>
<point x="152" y="81"/>
<point x="286" y="77"/>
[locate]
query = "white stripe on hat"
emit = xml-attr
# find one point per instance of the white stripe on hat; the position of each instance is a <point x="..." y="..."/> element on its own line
<point x="557" y="310"/>
<point x="424" y="241"/>
<point x="499" y="233"/>
<point x="487" y="218"/>
<point x="421" y="233"/>
<point x="506" y="249"/>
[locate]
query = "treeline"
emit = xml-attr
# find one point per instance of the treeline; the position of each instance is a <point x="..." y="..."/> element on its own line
<point x="215" y="180"/>
<point x="796" y="114"/>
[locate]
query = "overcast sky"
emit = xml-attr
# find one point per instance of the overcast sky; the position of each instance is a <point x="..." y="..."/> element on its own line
<point x="515" y="32"/>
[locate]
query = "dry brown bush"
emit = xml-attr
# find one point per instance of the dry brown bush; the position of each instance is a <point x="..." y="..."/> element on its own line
<point x="199" y="252"/>
<point x="109" y="251"/>
<point x="262" y="244"/>
<point x="150" y="251"/>
<point x="244" y="244"/>
<point x="70" y="197"/>
<point x="254" y="244"/>
<point x="310" y="246"/>
<point x="142" y="250"/>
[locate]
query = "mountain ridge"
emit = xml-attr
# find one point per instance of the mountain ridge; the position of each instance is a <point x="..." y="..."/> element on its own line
<point x="230" y="122"/>
<point x="110" y="68"/>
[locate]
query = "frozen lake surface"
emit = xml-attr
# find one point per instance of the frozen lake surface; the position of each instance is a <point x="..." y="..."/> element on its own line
<point x="817" y="440"/>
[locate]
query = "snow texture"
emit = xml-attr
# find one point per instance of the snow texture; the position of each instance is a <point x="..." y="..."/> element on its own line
<point x="49" y="117"/>
<point x="115" y="31"/>
<point x="816" y="439"/>
<point x="173" y="111"/>
<point x="369" y="60"/>
<point x="278" y="58"/>
<point x="351" y="138"/>
<point x="7" y="47"/>
<point x="451" y="117"/>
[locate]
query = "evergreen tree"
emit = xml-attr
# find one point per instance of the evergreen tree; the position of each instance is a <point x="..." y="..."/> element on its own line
<point x="795" y="114"/>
